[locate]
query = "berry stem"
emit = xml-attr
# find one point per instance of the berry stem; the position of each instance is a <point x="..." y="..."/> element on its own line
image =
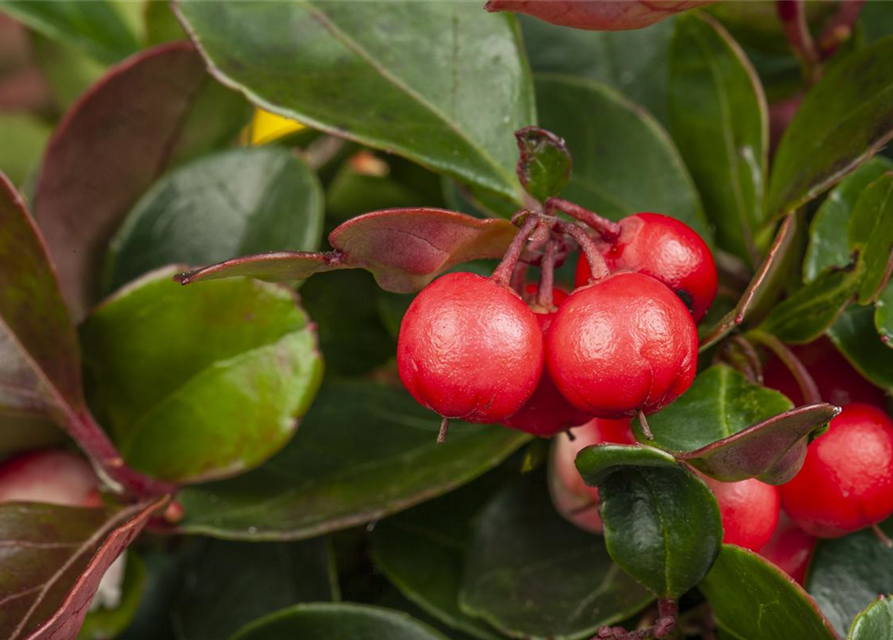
<point x="883" y="537"/>
<point x="664" y="626"/>
<point x="808" y="387"/>
<point x="547" y="276"/>
<point x="751" y="359"/>
<point x="503" y="273"/>
<point x="597" y="265"/>
<point x="607" y="229"/>
<point x="643" y="422"/>
<point x="444" y="428"/>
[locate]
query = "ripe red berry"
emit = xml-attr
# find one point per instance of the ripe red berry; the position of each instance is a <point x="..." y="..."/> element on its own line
<point x="574" y="499"/>
<point x="51" y="476"/>
<point x="666" y="249"/>
<point x="469" y="348"/>
<point x="846" y="482"/>
<point x="623" y="344"/>
<point x="790" y="548"/>
<point x="749" y="511"/>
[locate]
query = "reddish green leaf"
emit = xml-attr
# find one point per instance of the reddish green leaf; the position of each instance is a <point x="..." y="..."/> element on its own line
<point x="597" y="16"/>
<point x="544" y="167"/>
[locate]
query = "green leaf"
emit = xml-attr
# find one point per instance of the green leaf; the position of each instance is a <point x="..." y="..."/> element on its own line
<point x="753" y="599"/>
<point x="342" y="68"/>
<point x="230" y="203"/>
<point x="99" y="27"/>
<point x="103" y="623"/>
<point x="363" y="452"/>
<point x="24" y="138"/>
<point x="808" y="313"/>
<point x="662" y="523"/>
<point x="328" y="621"/>
<point x="227" y="585"/>
<point x="875" y="623"/>
<point x="615" y="151"/>
<point x="160" y="23"/>
<point x="68" y="71"/>
<point x="847" y="573"/>
<point x="856" y="339"/>
<point x="871" y="236"/>
<point x="718" y="117"/>
<point x="531" y="574"/>
<point x="829" y="228"/>
<point x="545" y="165"/>
<point x="200" y="384"/>
<point x="842" y="122"/>
<point x="883" y="315"/>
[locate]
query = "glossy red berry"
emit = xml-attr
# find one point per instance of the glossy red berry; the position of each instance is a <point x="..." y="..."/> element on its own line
<point x="623" y="344"/>
<point x="846" y="482"/>
<point x="749" y="510"/>
<point x="663" y="248"/>
<point x="470" y="349"/>
<point x="51" y="476"/>
<point x="574" y="499"/>
<point x="790" y="548"/>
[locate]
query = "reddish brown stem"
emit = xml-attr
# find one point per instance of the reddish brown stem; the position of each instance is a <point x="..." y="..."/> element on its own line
<point x="883" y="537"/>
<point x="607" y="229"/>
<point x="664" y="626"/>
<point x="519" y="278"/>
<point x="646" y="430"/>
<point x="751" y="357"/>
<point x="503" y="273"/>
<point x="793" y="18"/>
<point x="840" y="28"/>
<point x="808" y="388"/>
<point x="444" y="428"/>
<point x="547" y="276"/>
<point x="597" y="265"/>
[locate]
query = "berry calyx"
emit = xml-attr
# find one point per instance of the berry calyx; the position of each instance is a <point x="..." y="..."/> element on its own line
<point x="790" y="548"/>
<point x="622" y="345"/>
<point x="663" y="248"/>
<point x="749" y="511"/>
<point x="52" y="476"/>
<point x="469" y="348"/>
<point x="846" y="482"/>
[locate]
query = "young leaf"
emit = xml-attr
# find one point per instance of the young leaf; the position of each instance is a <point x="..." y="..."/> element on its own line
<point x="230" y="203"/>
<point x="55" y="557"/>
<point x="871" y="236"/>
<point x="531" y="574"/>
<point x="662" y="523"/>
<point x="883" y="315"/>
<point x="545" y="163"/>
<point x="453" y="109"/>
<point x="326" y="621"/>
<point x="201" y="384"/>
<point x="350" y="463"/>
<point x="855" y="337"/>
<point x="752" y="598"/>
<point x="875" y="623"/>
<point x="841" y="123"/>
<point x="613" y="152"/>
<point x="147" y="113"/>
<point x="598" y="16"/>
<point x="846" y="573"/>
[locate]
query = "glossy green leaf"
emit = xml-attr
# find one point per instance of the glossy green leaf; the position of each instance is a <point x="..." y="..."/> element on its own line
<point x="230" y="203"/>
<point x="829" y="227"/>
<point x="99" y="27"/>
<point x="883" y="315"/>
<point x="24" y="138"/>
<point x="393" y="599"/>
<point x="531" y="574"/>
<point x="342" y="69"/>
<point x="545" y="164"/>
<point x="363" y="452"/>
<point x="875" y="623"/>
<point x="227" y="585"/>
<point x="871" y="236"/>
<point x="718" y="117"/>
<point x="842" y="122"/>
<point x="204" y="383"/>
<point x="104" y="623"/>
<point x="855" y="337"/>
<point x="808" y="313"/>
<point x="662" y="523"/>
<point x="614" y="151"/>
<point x="753" y="599"/>
<point x="847" y="573"/>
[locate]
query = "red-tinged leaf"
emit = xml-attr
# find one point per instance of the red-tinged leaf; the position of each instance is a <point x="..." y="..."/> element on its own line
<point x="53" y="560"/>
<point x="597" y="15"/>
<point x="772" y="450"/>
<point x="153" y="110"/>
<point x="278" y="266"/>
<point x="544" y="166"/>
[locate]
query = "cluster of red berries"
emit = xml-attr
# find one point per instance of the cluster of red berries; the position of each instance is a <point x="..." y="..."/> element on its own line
<point x="623" y="342"/>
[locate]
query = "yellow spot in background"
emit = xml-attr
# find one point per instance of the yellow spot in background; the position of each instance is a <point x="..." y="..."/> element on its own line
<point x="266" y="127"/>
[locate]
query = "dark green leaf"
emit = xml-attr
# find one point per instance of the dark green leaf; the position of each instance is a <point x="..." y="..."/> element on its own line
<point x="883" y="315"/>
<point x="847" y="573"/>
<point x="99" y="27"/>
<point x="811" y="310"/>
<point x="753" y="599"/>
<point x="875" y="623"/>
<point x="855" y="337"/>
<point x="200" y="384"/>
<point x="230" y="203"/>
<point x="342" y="68"/>
<point x="871" y="236"/>
<point x="614" y="152"/>
<point x="842" y="122"/>
<point x="545" y="164"/>
<point x="329" y="621"/>
<point x="595" y="464"/>
<point x="829" y="228"/>
<point x="718" y="116"/>
<point x="363" y="452"/>
<point x="531" y="574"/>
<point x="393" y="599"/>
<point x="103" y="623"/>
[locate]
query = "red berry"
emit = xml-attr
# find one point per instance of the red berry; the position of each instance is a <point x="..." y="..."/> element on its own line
<point x="846" y="482"/>
<point x="470" y="348"/>
<point x="666" y="249"/>
<point x="749" y="511"/>
<point x="574" y="499"/>
<point x="790" y="548"/>
<point x="51" y="476"/>
<point x="623" y="344"/>
<point x="838" y="382"/>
